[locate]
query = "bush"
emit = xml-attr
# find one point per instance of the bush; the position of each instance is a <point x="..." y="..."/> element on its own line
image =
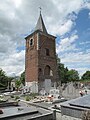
<point x="33" y="95"/>
<point x="28" y="98"/>
<point x="17" y="97"/>
<point x="12" y="96"/>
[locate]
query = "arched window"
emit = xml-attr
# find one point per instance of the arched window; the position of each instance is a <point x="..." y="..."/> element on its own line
<point x="48" y="71"/>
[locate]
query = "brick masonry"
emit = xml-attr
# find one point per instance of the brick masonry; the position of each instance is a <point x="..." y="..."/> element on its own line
<point x="36" y="59"/>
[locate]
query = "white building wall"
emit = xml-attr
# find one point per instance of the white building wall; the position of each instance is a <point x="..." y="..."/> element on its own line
<point x="33" y="86"/>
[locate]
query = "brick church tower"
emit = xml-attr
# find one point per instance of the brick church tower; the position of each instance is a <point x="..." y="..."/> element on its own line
<point x="40" y="59"/>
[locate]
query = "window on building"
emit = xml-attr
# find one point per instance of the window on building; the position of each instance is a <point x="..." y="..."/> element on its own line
<point x="47" y="51"/>
<point x="47" y="70"/>
<point x="31" y="42"/>
<point x="40" y="71"/>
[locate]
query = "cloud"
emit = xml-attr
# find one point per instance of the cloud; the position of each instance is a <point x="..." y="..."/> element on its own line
<point x="89" y="14"/>
<point x="76" y="57"/>
<point x="87" y="4"/>
<point x="79" y="61"/>
<point x="61" y="29"/>
<point x="81" y="70"/>
<point x="67" y="44"/>
<point x="17" y="3"/>
<point x="68" y="7"/>
<point x="84" y="43"/>
<point x="13" y="63"/>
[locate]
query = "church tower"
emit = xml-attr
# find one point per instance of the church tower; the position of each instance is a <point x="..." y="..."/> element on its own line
<point x="40" y="59"/>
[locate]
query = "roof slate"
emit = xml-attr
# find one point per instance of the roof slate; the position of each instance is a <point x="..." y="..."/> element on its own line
<point x="40" y="25"/>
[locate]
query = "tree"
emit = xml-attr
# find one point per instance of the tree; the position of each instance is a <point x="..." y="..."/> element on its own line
<point x="3" y="79"/>
<point x="22" y="78"/>
<point x="62" y="71"/>
<point x="72" y="75"/>
<point x="66" y="75"/>
<point x="86" y="76"/>
<point x="17" y="84"/>
<point x="9" y="82"/>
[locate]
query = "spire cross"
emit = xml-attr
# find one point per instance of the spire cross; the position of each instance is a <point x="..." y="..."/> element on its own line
<point x="40" y="9"/>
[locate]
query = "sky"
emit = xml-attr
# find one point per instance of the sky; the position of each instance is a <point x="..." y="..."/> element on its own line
<point x="68" y="20"/>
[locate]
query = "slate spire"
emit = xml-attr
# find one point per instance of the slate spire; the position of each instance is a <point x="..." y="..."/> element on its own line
<point x="40" y="25"/>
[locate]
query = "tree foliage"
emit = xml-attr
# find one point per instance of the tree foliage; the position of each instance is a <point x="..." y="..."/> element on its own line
<point x="66" y="75"/>
<point x="86" y="76"/>
<point x="62" y="71"/>
<point x="22" y="78"/>
<point x="17" y="84"/>
<point x="72" y="75"/>
<point x="3" y="79"/>
<point x="9" y="81"/>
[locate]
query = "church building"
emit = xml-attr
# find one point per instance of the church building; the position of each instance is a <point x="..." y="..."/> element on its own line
<point x="40" y="59"/>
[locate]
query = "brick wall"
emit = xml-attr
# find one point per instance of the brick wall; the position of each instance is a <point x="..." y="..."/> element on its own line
<point x="37" y="60"/>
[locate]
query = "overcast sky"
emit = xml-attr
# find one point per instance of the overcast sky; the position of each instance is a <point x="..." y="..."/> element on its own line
<point x="69" y="20"/>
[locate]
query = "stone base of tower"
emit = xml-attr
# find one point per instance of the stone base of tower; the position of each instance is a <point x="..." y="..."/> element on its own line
<point x="41" y="87"/>
<point x="45" y="86"/>
<point x="33" y="86"/>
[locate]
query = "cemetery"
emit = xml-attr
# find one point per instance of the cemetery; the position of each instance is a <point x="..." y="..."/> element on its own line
<point x="14" y="109"/>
